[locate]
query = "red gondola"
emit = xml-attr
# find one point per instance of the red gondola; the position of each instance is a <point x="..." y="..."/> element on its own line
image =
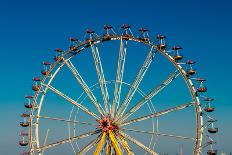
<point x="125" y="26"/>
<point x="143" y="30"/>
<point x="24" y="124"/>
<point x="160" y="36"/>
<point x="107" y="27"/>
<point x="46" y="66"/>
<point x="108" y="32"/>
<point x="89" y="31"/>
<point x="23" y="143"/>
<point x="144" y="35"/>
<point x="212" y="130"/>
<point x="202" y="89"/>
<point x="28" y="105"/>
<point x="209" y="109"/>
<point x="175" y="48"/>
<point x="212" y="152"/>
<point x="58" y="50"/>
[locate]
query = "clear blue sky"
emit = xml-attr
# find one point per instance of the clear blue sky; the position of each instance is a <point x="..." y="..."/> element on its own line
<point x="30" y="30"/>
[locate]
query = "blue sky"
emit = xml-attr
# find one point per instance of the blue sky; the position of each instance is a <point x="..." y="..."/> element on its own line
<point x="30" y="30"/>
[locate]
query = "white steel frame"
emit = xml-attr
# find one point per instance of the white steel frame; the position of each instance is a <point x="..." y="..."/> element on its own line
<point x="117" y="110"/>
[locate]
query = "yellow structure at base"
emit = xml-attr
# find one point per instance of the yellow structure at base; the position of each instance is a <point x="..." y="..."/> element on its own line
<point x="125" y="145"/>
<point x="108" y="151"/>
<point x="100" y="143"/>
<point x="115" y="143"/>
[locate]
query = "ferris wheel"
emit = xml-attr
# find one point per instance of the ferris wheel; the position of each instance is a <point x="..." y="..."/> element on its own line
<point x="148" y="100"/>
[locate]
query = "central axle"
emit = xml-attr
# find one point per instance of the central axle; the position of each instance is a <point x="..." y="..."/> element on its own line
<point x="106" y="124"/>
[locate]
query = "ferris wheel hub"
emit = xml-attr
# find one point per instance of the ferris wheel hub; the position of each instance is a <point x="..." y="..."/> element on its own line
<point x="106" y="124"/>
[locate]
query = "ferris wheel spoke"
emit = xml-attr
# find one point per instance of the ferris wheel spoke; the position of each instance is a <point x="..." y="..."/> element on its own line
<point x="119" y="75"/>
<point x="139" y="144"/>
<point x="101" y="78"/>
<point x="149" y="96"/>
<point x="136" y="82"/>
<point x="83" y="108"/>
<point x="157" y="114"/>
<point x="89" y="146"/>
<point x="68" y="140"/>
<point x="159" y="134"/>
<point x="64" y="120"/>
<point x="84" y="86"/>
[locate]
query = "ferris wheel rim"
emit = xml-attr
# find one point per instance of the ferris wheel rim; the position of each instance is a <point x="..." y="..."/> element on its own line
<point x="188" y="81"/>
